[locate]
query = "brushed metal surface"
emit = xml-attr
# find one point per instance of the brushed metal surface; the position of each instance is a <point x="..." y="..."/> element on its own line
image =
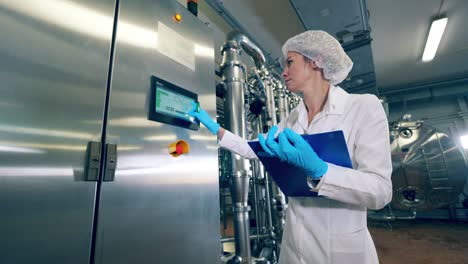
<point x="428" y="168"/>
<point x="159" y="209"/>
<point x="53" y="71"/>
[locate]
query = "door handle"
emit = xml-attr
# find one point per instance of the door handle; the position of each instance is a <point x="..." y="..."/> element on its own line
<point x="93" y="161"/>
<point x="111" y="162"/>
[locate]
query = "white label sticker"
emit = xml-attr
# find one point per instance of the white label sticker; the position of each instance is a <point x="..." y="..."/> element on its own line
<point x="175" y="46"/>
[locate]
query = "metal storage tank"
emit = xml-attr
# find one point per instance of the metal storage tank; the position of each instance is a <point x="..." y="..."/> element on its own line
<point x="429" y="169"/>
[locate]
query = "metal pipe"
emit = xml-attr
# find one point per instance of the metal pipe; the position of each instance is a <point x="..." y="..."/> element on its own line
<point x="233" y="75"/>
<point x="280" y="198"/>
<point x="280" y="95"/>
<point x="268" y="204"/>
<point x="425" y="85"/>
<point x="239" y="193"/>
<point x="270" y="103"/>
<point x="218" y="6"/>
<point x="249" y="47"/>
<point x="230" y="239"/>
<point x="261" y="188"/>
<point x="392" y="217"/>
<point x="254" y="188"/>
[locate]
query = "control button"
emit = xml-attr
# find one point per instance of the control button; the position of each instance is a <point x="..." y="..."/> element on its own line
<point x="178" y="148"/>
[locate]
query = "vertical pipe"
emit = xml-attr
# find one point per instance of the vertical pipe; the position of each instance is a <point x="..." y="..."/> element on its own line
<point x="233" y="76"/>
<point x="260" y="176"/>
<point x="270" y="103"/>
<point x="263" y="174"/>
<point x="280" y="95"/>
<point x="268" y="204"/>
<point x="254" y="188"/>
<point x="279" y="197"/>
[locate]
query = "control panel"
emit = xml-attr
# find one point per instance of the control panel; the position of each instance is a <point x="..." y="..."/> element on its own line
<point x="170" y="104"/>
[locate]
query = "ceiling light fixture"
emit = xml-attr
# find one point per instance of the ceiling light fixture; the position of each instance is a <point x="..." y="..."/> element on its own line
<point x="464" y="141"/>
<point x="434" y="37"/>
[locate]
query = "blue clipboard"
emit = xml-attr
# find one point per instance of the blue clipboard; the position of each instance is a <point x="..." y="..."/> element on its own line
<point x="330" y="147"/>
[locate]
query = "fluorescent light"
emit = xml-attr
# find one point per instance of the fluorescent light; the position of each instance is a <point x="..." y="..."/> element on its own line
<point x="433" y="40"/>
<point x="464" y="141"/>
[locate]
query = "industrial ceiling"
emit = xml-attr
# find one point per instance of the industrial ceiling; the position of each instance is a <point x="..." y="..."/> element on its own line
<point x="398" y="31"/>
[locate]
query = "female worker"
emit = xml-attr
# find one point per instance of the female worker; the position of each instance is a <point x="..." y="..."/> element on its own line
<point x="331" y="228"/>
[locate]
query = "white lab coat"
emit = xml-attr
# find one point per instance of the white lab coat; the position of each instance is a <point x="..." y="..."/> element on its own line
<point x="333" y="228"/>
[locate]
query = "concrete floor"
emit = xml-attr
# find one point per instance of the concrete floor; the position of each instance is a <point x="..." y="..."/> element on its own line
<point x="421" y="241"/>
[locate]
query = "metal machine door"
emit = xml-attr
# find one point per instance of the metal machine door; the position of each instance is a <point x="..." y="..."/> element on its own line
<point x="158" y="208"/>
<point x="54" y="58"/>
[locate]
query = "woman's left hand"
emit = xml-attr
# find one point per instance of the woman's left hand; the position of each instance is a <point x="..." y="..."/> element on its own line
<point x="267" y="152"/>
<point x="293" y="149"/>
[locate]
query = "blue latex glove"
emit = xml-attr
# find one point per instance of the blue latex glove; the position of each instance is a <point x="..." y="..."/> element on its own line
<point x="267" y="152"/>
<point x="292" y="148"/>
<point x="204" y="118"/>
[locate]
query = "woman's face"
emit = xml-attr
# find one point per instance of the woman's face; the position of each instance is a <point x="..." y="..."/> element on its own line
<point x="297" y="71"/>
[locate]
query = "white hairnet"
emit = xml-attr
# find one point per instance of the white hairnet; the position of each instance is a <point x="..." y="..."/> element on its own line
<point x="324" y="50"/>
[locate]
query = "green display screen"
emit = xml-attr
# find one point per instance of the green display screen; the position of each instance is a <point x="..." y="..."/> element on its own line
<point x="173" y="104"/>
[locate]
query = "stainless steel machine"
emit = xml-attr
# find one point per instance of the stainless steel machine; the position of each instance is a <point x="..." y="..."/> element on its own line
<point x="429" y="169"/>
<point x="85" y="175"/>
<point x="248" y="105"/>
<point x="100" y="164"/>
